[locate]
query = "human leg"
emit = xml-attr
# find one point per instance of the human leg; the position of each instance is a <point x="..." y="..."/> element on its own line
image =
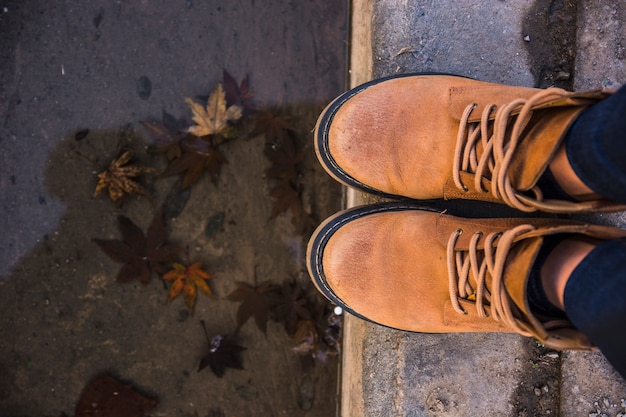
<point x="596" y="147"/>
<point x="595" y="300"/>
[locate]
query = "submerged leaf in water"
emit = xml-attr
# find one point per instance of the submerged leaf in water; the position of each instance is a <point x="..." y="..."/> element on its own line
<point x="176" y="200"/>
<point x="240" y="95"/>
<point x="167" y="135"/>
<point x="198" y="156"/>
<point x="291" y="306"/>
<point x="141" y="254"/>
<point x="223" y="353"/>
<point x="255" y="302"/>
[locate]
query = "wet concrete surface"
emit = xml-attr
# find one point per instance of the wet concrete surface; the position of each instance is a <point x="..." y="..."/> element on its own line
<point x="67" y="67"/>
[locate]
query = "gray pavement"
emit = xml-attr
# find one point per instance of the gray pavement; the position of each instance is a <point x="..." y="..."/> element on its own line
<point x="67" y="66"/>
<point x="572" y="45"/>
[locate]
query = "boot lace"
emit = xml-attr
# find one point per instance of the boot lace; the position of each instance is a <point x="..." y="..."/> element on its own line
<point x="498" y="147"/>
<point x="462" y="263"/>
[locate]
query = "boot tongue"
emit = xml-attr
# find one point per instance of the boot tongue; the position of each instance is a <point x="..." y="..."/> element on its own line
<point x="515" y="278"/>
<point x="539" y="144"/>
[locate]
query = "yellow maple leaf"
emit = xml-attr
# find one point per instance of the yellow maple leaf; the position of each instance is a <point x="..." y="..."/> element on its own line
<point x="187" y="279"/>
<point x="213" y="118"/>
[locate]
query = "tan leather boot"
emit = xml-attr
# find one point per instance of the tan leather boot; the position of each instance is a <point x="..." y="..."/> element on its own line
<point x="424" y="271"/>
<point x="439" y="136"/>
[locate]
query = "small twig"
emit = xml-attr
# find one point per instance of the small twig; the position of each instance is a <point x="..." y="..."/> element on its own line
<point x="86" y="158"/>
<point x="206" y="333"/>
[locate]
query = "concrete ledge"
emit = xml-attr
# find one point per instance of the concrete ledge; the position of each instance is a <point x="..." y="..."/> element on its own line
<point x="388" y="372"/>
<point x="601" y="45"/>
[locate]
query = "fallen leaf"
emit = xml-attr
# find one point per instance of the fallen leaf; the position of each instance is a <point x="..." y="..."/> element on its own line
<point x="141" y="254"/>
<point x="198" y="157"/>
<point x="119" y="178"/>
<point x="187" y="279"/>
<point x="214" y="117"/>
<point x="167" y="135"/>
<point x="255" y="302"/>
<point x="333" y="331"/>
<point x="291" y="306"/>
<point x="287" y="198"/>
<point x="274" y="126"/>
<point x="285" y="173"/>
<point x="405" y="50"/>
<point x="105" y="396"/>
<point x="176" y="200"/>
<point x="285" y="157"/>
<point x="320" y="336"/>
<point x="223" y="353"/>
<point x="240" y="95"/>
<point x="305" y="337"/>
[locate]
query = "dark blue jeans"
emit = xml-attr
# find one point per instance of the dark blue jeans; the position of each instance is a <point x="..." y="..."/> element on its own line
<point x="595" y="300"/>
<point x="595" y="295"/>
<point x="596" y="147"/>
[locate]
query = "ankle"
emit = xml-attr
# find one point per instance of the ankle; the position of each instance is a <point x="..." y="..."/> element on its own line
<point x="565" y="176"/>
<point x="559" y="265"/>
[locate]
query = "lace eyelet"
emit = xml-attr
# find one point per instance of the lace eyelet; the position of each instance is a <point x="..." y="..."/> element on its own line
<point x="459" y="232"/>
<point x="465" y="189"/>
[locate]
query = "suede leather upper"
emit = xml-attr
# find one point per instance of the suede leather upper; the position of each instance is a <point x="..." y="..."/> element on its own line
<point x="398" y="136"/>
<point x="391" y="267"/>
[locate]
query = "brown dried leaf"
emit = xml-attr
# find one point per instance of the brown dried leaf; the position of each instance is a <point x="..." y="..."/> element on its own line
<point x="140" y="254"/>
<point x="285" y="158"/>
<point x="291" y="306"/>
<point x="287" y="198"/>
<point x="119" y="178"/>
<point x="167" y="136"/>
<point x="223" y="353"/>
<point x="198" y="156"/>
<point x="255" y="302"/>
<point x="240" y="95"/>
<point x="274" y="126"/>
<point x="307" y="340"/>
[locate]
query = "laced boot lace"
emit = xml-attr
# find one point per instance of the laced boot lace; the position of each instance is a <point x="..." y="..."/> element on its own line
<point x="498" y="147"/>
<point x="462" y="263"/>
